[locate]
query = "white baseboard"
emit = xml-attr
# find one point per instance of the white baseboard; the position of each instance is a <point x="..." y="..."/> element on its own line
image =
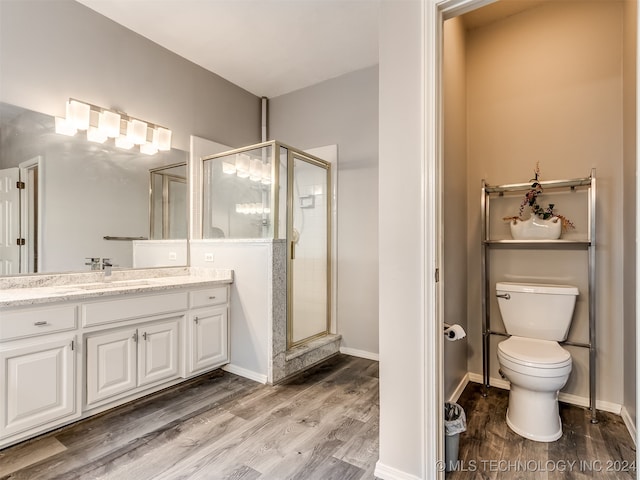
<point x="243" y="372"/>
<point x="360" y="353"/>
<point x="628" y="421"/>
<point x="385" y="472"/>
<point x="563" y="397"/>
<point x="494" y="382"/>
<point x="455" y="395"/>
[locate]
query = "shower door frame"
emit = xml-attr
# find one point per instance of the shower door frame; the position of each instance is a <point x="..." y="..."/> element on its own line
<point x="293" y="154"/>
<point x="275" y="206"/>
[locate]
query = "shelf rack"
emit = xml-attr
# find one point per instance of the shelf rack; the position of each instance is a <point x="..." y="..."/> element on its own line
<point x="588" y="243"/>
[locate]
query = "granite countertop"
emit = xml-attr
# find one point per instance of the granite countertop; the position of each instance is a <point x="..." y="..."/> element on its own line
<point x="40" y="289"/>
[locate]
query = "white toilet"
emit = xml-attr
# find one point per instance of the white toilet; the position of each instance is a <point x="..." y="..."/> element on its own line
<point x="537" y="317"/>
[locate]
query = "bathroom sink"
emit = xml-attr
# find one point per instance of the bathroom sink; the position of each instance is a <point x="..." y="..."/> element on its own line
<point x="118" y="284"/>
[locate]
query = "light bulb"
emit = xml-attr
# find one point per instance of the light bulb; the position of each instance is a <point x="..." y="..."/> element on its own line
<point x="255" y="171"/>
<point x="94" y="134"/>
<point x="78" y="114"/>
<point x="228" y="167"/>
<point x="124" y="142"/>
<point x="65" y="127"/>
<point x="148" y="148"/>
<point x="266" y="174"/>
<point x="164" y="139"/>
<point x="137" y="131"/>
<point x="109" y="124"/>
<point x="242" y="165"/>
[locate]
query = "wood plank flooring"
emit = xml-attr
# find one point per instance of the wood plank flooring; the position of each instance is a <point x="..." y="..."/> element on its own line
<point x="490" y="450"/>
<point x="320" y="425"/>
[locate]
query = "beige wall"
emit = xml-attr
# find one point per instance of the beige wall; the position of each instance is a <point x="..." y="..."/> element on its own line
<point x="454" y="268"/>
<point x="629" y="170"/>
<point x="546" y="85"/>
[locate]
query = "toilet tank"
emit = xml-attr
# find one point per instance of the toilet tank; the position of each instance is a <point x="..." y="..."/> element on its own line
<point x="536" y="310"/>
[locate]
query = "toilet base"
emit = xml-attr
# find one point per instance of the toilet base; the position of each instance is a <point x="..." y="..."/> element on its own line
<point x="534" y="415"/>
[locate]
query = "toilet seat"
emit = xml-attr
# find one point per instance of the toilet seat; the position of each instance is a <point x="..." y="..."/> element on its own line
<point x="530" y="354"/>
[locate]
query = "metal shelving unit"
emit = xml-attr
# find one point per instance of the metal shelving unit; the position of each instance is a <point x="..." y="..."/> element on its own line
<point x="588" y="243"/>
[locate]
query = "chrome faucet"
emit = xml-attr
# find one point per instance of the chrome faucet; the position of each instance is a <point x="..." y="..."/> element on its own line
<point x="94" y="262"/>
<point x="106" y="266"/>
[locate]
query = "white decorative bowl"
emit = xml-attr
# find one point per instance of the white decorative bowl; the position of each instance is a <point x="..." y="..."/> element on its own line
<point x="535" y="228"/>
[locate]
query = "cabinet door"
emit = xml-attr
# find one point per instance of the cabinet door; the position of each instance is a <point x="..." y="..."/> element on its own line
<point x="111" y="364"/>
<point x="38" y="385"/>
<point x="158" y="351"/>
<point x="208" y="338"/>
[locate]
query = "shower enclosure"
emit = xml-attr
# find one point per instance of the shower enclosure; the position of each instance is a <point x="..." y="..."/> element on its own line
<point x="274" y="191"/>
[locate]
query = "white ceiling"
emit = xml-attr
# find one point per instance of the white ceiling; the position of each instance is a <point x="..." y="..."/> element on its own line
<point x="268" y="47"/>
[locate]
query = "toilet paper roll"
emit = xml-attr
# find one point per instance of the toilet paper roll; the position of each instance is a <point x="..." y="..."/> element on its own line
<point x="454" y="332"/>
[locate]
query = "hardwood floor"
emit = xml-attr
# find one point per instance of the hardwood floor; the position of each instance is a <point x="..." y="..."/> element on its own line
<point x="490" y="450"/>
<point x="320" y="425"/>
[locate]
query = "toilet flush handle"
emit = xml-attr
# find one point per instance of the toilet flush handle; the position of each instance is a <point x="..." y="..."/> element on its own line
<point x="506" y="296"/>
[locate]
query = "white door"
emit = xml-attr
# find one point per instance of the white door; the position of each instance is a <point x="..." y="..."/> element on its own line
<point x="111" y="364"/>
<point x="158" y="351"/>
<point x="9" y="221"/>
<point x="38" y="385"/>
<point x="208" y="334"/>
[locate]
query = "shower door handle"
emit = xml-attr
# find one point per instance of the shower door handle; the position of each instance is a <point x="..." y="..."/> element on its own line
<point x="293" y="250"/>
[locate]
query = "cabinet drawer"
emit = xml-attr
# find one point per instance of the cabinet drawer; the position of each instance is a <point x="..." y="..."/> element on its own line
<point x="117" y="310"/>
<point x="26" y="323"/>
<point x="208" y="296"/>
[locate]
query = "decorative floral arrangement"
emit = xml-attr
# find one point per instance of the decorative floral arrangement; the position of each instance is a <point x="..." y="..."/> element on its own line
<point x="531" y="200"/>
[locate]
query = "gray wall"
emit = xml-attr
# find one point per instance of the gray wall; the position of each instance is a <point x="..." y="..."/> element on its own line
<point x="344" y="111"/>
<point x="55" y="49"/>
<point x="629" y="203"/>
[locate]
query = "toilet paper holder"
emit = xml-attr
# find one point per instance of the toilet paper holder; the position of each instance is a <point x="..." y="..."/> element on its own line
<point x="453" y="332"/>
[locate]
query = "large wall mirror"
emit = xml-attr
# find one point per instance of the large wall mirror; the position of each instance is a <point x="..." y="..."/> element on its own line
<point x="82" y="199"/>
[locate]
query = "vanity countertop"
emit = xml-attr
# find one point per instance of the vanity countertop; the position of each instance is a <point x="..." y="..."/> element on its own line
<point x="74" y="287"/>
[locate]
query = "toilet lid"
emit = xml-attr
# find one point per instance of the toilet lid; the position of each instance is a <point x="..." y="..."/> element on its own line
<point x="531" y="351"/>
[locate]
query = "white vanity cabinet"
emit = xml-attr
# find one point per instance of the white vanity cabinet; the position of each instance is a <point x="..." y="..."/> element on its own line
<point x="207" y="330"/>
<point x="119" y="361"/>
<point x="38" y="370"/>
<point x="69" y="359"/>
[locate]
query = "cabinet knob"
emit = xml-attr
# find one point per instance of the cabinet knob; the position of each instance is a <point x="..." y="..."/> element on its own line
<point x="144" y="336"/>
<point x="195" y="319"/>
<point x="212" y="297"/>
<point x="41" y="324"/>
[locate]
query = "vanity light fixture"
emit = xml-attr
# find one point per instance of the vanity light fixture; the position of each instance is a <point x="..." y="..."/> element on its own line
<point x="243" y="162"/>
<point x="148" y="148"/>
<point x="94" y="134"/>
<point x="109" y="123"/>
<point x="266" y="174"/>
<point x="255" y="171"/>
<point x="102" y="124"/>
<point x="252" y="209"/>
<point x="65" y="127"/>
<point x="228" y="168"/>
<point x="246" y="167"/>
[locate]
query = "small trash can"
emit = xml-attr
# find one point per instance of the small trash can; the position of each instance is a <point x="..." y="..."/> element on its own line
<point x="455" y="423"/>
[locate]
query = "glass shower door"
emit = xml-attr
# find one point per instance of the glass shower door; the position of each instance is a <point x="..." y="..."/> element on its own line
<point x="309" y="254"/>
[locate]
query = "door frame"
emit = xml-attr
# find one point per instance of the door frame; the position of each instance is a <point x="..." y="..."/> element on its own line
<point x="34" y="163"/>
<point x="293" y="155"/>
<point x="434" y="14"/>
